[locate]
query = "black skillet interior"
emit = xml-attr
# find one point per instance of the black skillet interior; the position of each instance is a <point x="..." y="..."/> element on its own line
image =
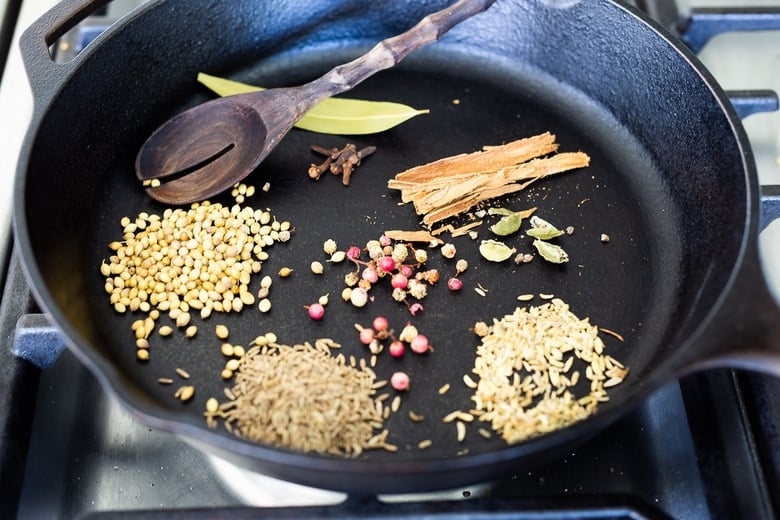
<point x="669" y="191"/>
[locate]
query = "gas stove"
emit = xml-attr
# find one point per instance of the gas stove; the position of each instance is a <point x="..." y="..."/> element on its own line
<point x="704" y="447"/>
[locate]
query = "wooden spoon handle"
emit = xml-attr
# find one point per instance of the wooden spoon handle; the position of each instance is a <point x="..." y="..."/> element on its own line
<point x="390" y="51"/>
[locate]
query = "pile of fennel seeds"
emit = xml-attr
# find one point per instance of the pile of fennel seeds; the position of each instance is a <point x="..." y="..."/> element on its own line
<point x="528" y="365"/>
<point x="303" y="397"/>
<point x="197" y="260"/>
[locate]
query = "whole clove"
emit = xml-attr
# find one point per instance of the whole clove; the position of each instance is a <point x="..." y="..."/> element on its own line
<point x="342" y="161"/>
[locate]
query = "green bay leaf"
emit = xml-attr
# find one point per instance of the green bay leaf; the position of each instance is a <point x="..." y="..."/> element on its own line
<point x="343" y="116"/>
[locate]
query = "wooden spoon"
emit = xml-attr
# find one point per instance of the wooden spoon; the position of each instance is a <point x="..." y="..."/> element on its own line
<point x="209" y="148"/>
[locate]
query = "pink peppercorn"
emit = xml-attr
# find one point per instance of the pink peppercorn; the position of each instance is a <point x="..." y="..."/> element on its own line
<point x="366" y="336"/>
<point x="386" y="263"/>
<point x="399" y="281"/>
<point x="380" y="323"/>
<point x="454" y="284"/>
<point x="396" y="349"/>
<point x="316" y="311"/>
<point x="419" y="344"/>
<point x="353" y="252"/>
<point x="385" y="241"/>
<point x="399" y="381"/>
<point x="405" y="270"/>
<point x="415" y="308"/>
<point x="370" y="275"/>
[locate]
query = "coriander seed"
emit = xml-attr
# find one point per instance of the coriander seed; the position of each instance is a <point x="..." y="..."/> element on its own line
<point x="221" y="331"/>
<point x="317" y="267"/>
<point x="330" y="246"/>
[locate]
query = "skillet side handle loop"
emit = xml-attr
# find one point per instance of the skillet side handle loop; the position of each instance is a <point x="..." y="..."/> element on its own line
<point x="703" y="24"/>
<point x="44" y="74"/>
<point x="770" y="205"/>
<point x="37" y="340"/>
<point x="749" y="102"/>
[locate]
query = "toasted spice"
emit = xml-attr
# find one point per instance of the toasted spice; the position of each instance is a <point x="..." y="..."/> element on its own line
<point x="302" y="397"/>
<point x="528" y="364"/>
<point x="453" y="185"/>
<point x="342" y="161"/>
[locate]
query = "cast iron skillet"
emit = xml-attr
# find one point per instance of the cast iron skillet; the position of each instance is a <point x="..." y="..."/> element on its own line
<point x="672" y="182"/>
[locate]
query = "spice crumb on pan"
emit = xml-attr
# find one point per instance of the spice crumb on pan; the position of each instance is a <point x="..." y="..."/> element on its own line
<point x="527" y="376"/>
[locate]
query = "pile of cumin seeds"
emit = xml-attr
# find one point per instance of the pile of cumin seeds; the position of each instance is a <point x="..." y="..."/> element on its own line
<point x="529" y="363"/>
<point x="304" y="398"/>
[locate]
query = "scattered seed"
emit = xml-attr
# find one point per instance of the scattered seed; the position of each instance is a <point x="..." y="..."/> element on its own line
<point x="165" y="330"/>
<point x="485" y="433"/>
<point x="338" y="257"/>
<point x="182" y="373"/>
<point x="461" y="428"/>
<point x="525" y="297"/>
<point x="142" y="343"/>
<point x="424" y="444"/>
<point x="191" y="331"/>
<point x="358" y="296"/>
<point x="415" y="417"/>
<point x="448" y="250"/>
<point x="212" y="405"/>
<point x="444" y="389"/>
<point x="221" y="331"/>
<point x="185" y="393"/>
<point x="604" y="238"/>
<point x="165" y="381"/>
<point x="284" y="272"/>
<point x="330" y="246"/>
<point x="183" y="319"/>
<point x="142" y="354"/>
<point x="264" y="305"/>
<point x="469" y="382"/>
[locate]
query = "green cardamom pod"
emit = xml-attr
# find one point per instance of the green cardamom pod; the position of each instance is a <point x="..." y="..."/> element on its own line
<point x="495" y="251"/>
<point x="551" y="252"/>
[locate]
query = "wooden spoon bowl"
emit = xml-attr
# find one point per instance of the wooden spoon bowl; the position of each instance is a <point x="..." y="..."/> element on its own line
<point x="207" y="149"/>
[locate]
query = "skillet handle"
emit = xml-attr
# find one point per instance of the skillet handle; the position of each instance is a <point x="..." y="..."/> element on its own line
<point x="704" y="23"/>
<point x="745" y="333"/>
<point x="44" y="74"/>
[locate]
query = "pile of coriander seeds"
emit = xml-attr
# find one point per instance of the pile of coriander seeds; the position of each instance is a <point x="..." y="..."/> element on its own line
<point x="200" y="259"/>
